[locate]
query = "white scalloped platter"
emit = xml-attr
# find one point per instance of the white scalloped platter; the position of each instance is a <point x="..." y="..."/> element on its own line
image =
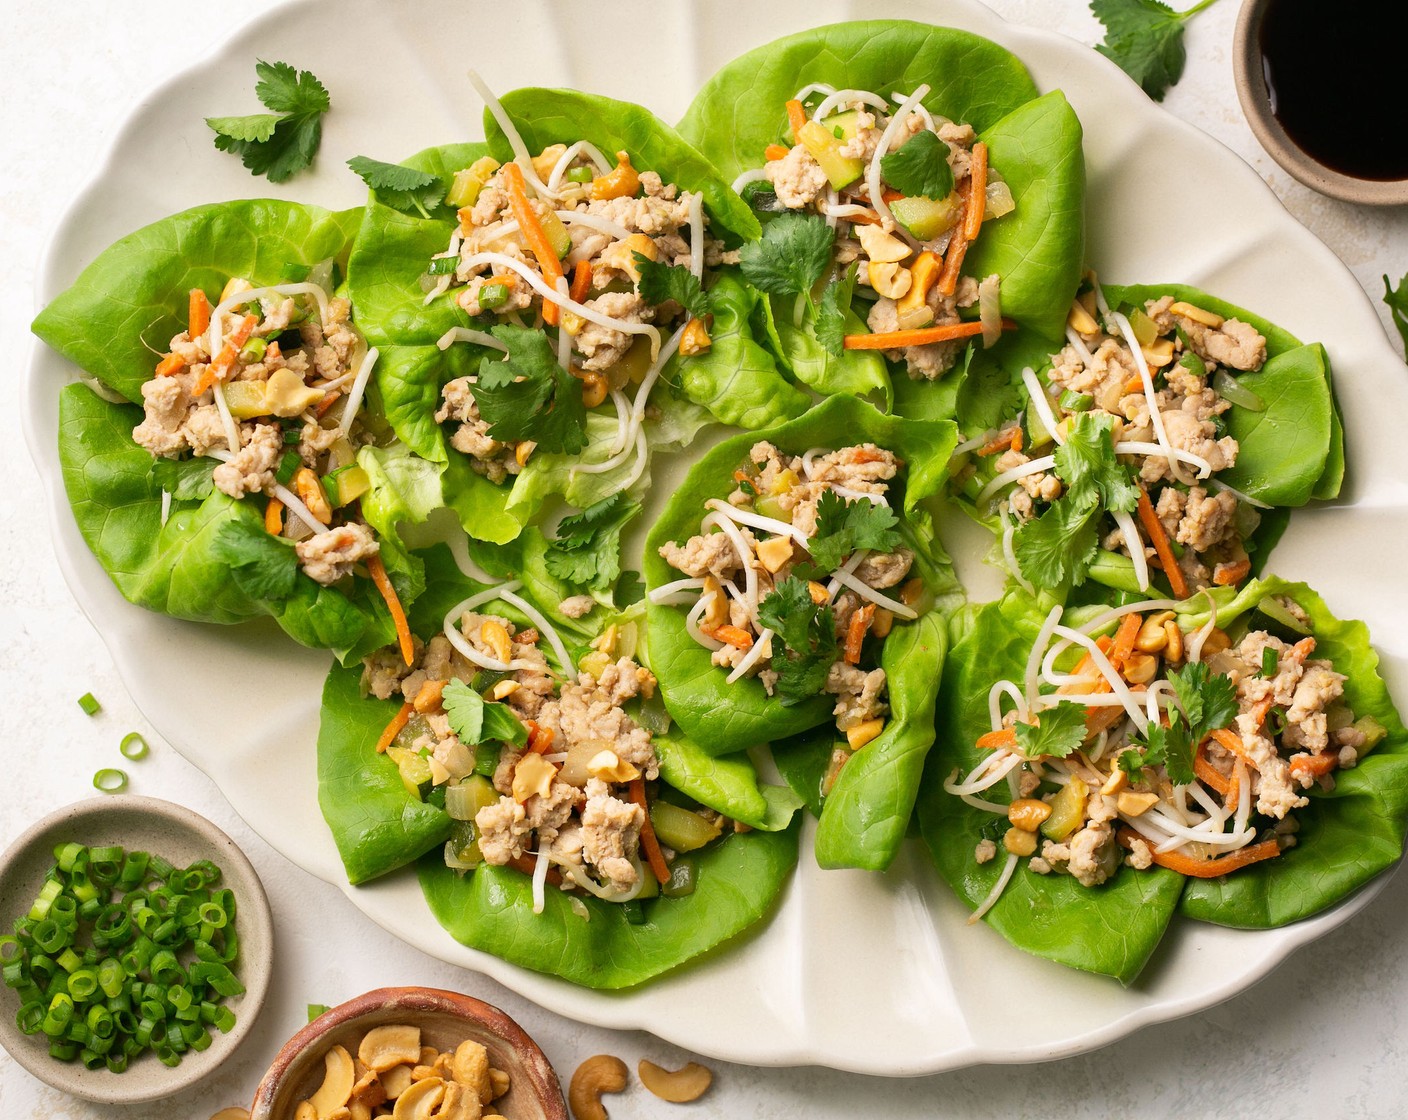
<point x="874" y="973"/>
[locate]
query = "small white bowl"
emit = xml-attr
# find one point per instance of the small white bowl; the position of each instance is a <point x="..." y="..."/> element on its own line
<point x="182" y="837"/>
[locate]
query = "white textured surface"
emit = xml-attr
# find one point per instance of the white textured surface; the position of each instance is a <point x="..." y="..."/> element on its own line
<point x="1337" y="1030"/>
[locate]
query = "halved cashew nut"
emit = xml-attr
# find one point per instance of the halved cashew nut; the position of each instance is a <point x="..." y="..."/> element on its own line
<point x="471" y="1069"/>
<point x="392" y="1045"/>
<point x="602" y="1073"/>
<point x="305" y="1111"/>
<point x="398" y="1079"/>
<point x="420" y="1100"/>
<point x="337" y="1084"/>
<point x="676" y="1086"/>
<point x="460" y="1103"/>
<point x="231" y="1113"/>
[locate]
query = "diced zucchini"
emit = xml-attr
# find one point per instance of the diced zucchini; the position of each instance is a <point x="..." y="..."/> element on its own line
<point x="1144" y="327"/>
<point x="927" y="218"/>
<point x="679" y="828"/>
<point x="346" y="485"/>
<point x="769" y="505"/>
<point x="246" y="399"/>
<point x="463" y="800"/>
<point x="464" y="191"/>
<point x="1374" y="733"/>
<point x="683" y="873"/>
<point x="848" y="123"/>
<point x="825" y="148"/>
<point x="558" y="237"/>
<point x="415" y="770"/>
<point x="1277" y="621"/>
<point x="1067" y="810"/>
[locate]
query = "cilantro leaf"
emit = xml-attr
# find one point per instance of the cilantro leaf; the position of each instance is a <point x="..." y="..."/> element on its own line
<point x="790" y="257"/>
<point x="1087" y="465"/>
<point x="184" y="479"/>
<point x="831" y="316"/>
<point x="475" y="720"/>
<point x="530" y="396"/>
<point x="842" y="526"/>
<point x="1144" y="38"/>
<point x="282" y="142"/>
<point x="1209" y="700"/>
<point x="630" y="588"/>
<point x="808" y="631"/>
<point x="399" y="187"/>
<point x="587" y="551"/>
<point x="920" y="167"/>
<point x="1059" y="545"/>
<point x="1058" y="732"/>
<point x="263" y="566"/>
<point x="662" y="282"/>
<point x="1397" y="301"/>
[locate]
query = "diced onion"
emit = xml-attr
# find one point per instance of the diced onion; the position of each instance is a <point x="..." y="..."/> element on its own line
<point x="998" y="201"/>
<point x="1233" y="390"/>
<point x="990" y="310"/>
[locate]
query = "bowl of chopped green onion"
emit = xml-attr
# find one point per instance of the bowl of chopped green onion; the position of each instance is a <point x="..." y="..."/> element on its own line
<point x="135" y="949"/>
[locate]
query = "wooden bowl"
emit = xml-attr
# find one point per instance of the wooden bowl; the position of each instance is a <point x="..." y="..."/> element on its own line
<point x="445" y="1020"/>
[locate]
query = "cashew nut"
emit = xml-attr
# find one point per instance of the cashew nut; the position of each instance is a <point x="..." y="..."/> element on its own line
<point x="231" y="1113"/>
<point x="420" y="1100"/>
<point x="602" y="1073"/>
<point x="337" y="1083"/>
<point x="398" y="1079"/>
<point x="460" y="1103"/>
<point x="305" y="1111"/>
<point x="676" y="1086"/>
<point x="393" y="1045"/>
<point x="471" y="1069"/>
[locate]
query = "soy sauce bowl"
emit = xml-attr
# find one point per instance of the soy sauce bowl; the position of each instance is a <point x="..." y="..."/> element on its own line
<point x="1255" y="96"/>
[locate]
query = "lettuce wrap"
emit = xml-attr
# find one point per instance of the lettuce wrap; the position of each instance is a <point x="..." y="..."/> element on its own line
<point x="869" y="798"/>
<point x="1351" y="829"/>
<point x="1036" y="187"/>
<point x="198" y="553"/>
<point x="1278" y="406"/>
<point x="381" y="820"/>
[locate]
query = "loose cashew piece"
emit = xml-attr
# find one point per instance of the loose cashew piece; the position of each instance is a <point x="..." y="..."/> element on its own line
<point x="231" y="1113"/>
<point x="420" y="1100"/>
<point x="602" y="1073"/>
<point x="398" y="1079"/>
<point x="337" y="1083"/>
<point x="676" y="1086"/>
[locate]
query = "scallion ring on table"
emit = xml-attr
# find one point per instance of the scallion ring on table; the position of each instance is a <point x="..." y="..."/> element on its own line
<point x="133" y="746"/>
<point x="108" y="780"/>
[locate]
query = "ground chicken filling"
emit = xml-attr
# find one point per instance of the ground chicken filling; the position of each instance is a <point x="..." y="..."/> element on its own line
<point x="573" y="803"/>
<point x="1145" y="781"/>
<point x="909" y="248"/>
<point x="271" y="386"/>
<point x="592" y="218"/>
<point x="1174" y="449"/>
<point x="752" y="579"/>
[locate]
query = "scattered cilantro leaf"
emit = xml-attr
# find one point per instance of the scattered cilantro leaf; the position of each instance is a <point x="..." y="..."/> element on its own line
<point x="790" y="257"/>
<point x="184" y="479"/>
<point x="587" y="549"/>
<point x="920" y="167"/>
<point x="401" y="188"/>
<point x="630" y="588"/>
<point x="808" y="631"/>
<point x="1059" y="731"/>
<point x="1209" y="699"/>
<point x="831" y="315"/>
<point x="1087" y="465"/>
<point x="530" y="396"/>
<point x="282" y="142"/>
<point x="842" y="526"/>
<point x="1144" y="38"/>
<point x="475" y="720"/>
<point x="662" y="282"/>
<point x="263" y="566"/>
<point x="1060" y="545"/>
<point x="1397" y="301"/>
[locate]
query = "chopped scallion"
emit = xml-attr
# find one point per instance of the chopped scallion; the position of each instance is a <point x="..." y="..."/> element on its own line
<point x="288" y="467"/>
<point x="492" y="295"/>
<point x="89" y="703"/>
<point x="1270" y="659"/>
<point x="580" y="175"/>
<point x="133" y="746"/>
<point x="442" y="266"/>
<point x="109" y="780"/>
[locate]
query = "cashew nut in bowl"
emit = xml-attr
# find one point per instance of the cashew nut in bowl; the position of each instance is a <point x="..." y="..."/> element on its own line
<point x="337" y="1084"/>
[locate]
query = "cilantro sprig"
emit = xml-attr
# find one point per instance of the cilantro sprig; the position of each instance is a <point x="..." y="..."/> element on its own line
<point x="831" y="315"/>
<point x="263" y="566"/>
<point x="1144" y="38"/>
<point x="528" y="396"/>
<point x="401" y="188"/>
<point x="808" y="631"/>
<point x="842" y="526"/>
<point x="920" y="167"/>
<point x="587" y="549"/>
<point x="1057" y="732"/>
<point x="475" y="720"/>
<point x="1397" y="300"/>
<point x="282" y="142"/>
<point x="790" y="257"/>
<point x="660" y="283"/>
<point x="1206" y="702"/>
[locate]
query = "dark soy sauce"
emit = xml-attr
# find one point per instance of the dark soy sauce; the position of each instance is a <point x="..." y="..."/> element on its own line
<point x="1338" y="81"/>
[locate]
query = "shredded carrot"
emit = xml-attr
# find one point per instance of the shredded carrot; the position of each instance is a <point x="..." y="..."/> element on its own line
<point x="1133" y="385"/>
<point x="740" y="475"/>
<point x="953" y="264"/>
<point x="775" y="152"/>
<point x="1209" y="775"/>
<point x="1158" y="536"/>
<point x="581" y="281"/>
<point x="274" y="517"/>
<point x="321" y="408"/>
<point x="393" y="604"/>
<point x="1124" y="639"/>
<point x="732" y="635"/>
<point x="921" y="336"/>
<point x="171" y="364"/>
<point x="1230" y="741"/>
<point x="1102" y="718"/>
<point x="540" y="739"/>
<point x="1206" y="868"/>
<point x="1303" y="649"/>
<point x="225" y="361"/>
<point x="1261" y="709"/>
<point x="534" y="236"/>
<point x="869" y="218"/>
<point x="1314" y="765"/>
<point x="796" y="117"/>
<point x="198" y="316"/>
<point x="1229" y="575"/>
<point x="528" y="864"/>
<point x="1004" y="737"/>
<point x="398" y="721"/>
<point x="1008" y="438"/>
<point x="891" y="195"/>
<point x="977" y="192"/>
<point x="856" y="630"/>
<point x="654" y="856"/>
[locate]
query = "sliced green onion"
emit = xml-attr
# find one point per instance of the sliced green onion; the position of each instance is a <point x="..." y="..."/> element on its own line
<point x="89" y="703"/>
<point x="581" y="175"/>
<point x="1229" y="387"/>
<point x="442" y="266"/>
<point x="133" y="746"/>
<point x="317" y="1009"/>
<point x="108" y="780"/>
<point x="492" y="295"/>
<point x="288" y="467"/>
<point x="1071" y="401"/>
<point x="1270" y="659"/>
<point x="253" y="351"/>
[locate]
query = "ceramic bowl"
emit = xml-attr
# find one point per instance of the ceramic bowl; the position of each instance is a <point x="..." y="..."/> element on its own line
<point x="445" y="1020"/>
<point x="178" y="835"/>
<point x="1252" y="91"/>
